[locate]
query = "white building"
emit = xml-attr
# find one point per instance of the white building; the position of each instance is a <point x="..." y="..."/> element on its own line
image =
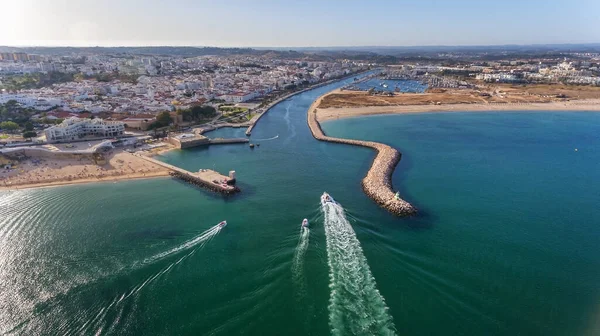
<point x="76" y="128"/>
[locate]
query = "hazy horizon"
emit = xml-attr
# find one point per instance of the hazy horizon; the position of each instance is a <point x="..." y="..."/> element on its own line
<point x="302" y="47"/>
<point x="271" y="24"/>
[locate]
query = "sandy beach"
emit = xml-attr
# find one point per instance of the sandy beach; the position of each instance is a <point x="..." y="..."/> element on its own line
<point x="34" y="172"/>
<point x="346" y="112"/>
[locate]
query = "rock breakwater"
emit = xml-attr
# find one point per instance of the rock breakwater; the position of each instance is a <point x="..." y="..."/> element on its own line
<point x="377" y="184"/>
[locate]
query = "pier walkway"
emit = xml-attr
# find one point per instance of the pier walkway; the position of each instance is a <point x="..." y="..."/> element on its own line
<point x="205" y="178"/>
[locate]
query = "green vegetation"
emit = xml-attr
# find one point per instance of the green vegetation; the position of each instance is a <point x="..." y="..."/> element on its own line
<point x="197" y="113"/>
<point x="51" y="121"/>
<point x="9" y="125"/>
<point x="34" y="81"/>
<point x="29" y="134"/>
<point x="13" y="111"/>
<point x="232" y="110"/>
<point x="162" y="119"/>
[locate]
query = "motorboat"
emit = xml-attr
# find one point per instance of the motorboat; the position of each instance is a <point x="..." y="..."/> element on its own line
<point x="305" y="222"/>
<point x="222" y="224"/>
<point x="326" y="198"/>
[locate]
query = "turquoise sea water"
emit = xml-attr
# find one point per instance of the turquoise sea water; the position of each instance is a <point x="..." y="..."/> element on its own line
<point x="507" y="241"/>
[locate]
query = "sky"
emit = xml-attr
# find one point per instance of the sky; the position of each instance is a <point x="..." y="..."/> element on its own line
<point x="290" y="23"/>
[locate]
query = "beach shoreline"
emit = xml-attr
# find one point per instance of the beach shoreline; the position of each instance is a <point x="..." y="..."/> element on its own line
<point x="349" y="112"/>
<point x="50" y="171"/>
<point x="84" y="181"/>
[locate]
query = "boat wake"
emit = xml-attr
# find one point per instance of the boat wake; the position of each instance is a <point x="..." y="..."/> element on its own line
<point x="355" y="305"/>
<point x="106" y="316"/>
<point x="298" y="263"/>
<point x="268" y="139"/>
<point x="289" y="123"/>
<point x="201" y="239"/>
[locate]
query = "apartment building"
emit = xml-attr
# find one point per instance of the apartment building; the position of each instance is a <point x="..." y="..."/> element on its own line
<point x="76" y="128"/>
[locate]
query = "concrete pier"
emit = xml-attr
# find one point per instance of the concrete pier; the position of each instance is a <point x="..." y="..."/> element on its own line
<point x="205" y="178"/>
<point x="378" y="182"/>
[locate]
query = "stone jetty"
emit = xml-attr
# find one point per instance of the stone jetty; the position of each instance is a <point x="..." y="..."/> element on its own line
<point x="206" y="178"/>
<point x="378" y="182"/>
<point x="200" y="181"/>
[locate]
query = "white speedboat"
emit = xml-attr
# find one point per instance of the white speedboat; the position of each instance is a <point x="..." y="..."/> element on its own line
<point x="222" y="224"/>
<point x="326" y="198"/>
<point x="305" y="222"/>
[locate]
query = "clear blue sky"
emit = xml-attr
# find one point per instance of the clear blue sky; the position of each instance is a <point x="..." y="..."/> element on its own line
<point x="270" y="23"/>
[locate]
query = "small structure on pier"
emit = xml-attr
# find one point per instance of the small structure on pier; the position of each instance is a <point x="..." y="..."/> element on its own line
<point x="205" y="178"/>
<point x="209" y="179"/>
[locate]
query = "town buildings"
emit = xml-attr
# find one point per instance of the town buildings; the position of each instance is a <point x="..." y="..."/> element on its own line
<point x="76" y="128"/>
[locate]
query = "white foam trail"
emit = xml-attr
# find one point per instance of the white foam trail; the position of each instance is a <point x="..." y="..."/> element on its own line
<point x="268" y="139"/>
<point x="298" y="264"/>
<point x="289" y="123"/>
<point x="355" y="305"/>
<point x="201" y="238"/>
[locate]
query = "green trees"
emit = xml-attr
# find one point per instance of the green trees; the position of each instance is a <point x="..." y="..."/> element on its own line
<point x="13" y="111"/>
<point x="37" y="80"/>
<point x="9" y="125"/>
<point x="197" y="113"/>
<point x="164" y="118"/>
<point x="29" y="134"/>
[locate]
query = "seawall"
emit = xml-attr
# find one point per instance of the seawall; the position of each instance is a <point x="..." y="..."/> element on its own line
<point x="377" y="184"/>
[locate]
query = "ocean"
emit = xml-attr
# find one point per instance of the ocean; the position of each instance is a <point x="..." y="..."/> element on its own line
<point x="507" y="241"/>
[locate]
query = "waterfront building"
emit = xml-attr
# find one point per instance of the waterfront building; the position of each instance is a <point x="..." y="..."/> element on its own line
<point x="76" y="128"/>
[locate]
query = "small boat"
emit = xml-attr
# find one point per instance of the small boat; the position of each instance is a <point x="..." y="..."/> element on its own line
<point x="326" y="198"/>
<point x="251" y="145"/>
<point x="222" y="224"/>
<point x="305" y="222"/>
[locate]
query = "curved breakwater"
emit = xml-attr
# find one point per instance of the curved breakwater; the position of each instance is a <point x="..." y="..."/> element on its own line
<point x="378" y="182"/>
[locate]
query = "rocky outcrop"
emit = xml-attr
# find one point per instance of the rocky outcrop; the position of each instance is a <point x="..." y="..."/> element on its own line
<point x="378" y="182"/>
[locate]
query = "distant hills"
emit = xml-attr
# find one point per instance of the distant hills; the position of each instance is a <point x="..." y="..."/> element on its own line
<point x="379" y="54"/>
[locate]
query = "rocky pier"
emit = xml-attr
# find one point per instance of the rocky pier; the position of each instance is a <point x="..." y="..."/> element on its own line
<point x="377" y="184"/>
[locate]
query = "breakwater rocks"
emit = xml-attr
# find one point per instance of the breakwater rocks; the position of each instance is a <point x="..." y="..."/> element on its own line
<point x="378" y="182"/>
<point x="228" y="189"/>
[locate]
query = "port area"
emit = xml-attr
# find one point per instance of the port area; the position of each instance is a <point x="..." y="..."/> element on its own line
<point x="205" y="178"/>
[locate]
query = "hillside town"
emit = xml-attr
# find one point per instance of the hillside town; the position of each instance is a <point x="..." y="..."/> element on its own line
<point x="134" y="89"/>
<point x="47" y="97"/>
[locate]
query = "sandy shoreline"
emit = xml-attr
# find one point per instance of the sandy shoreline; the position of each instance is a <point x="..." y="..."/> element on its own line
<point x="347" y="112"/>
<point x="36" y="172"/>
<point x="82" y="181"/>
